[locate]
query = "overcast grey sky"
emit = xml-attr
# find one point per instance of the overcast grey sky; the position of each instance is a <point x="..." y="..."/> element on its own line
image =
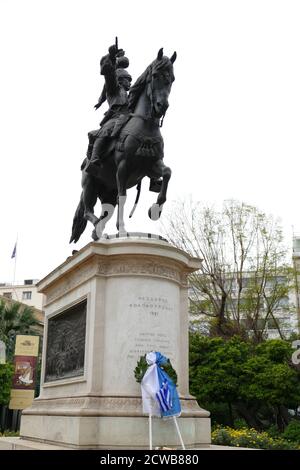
<point x="231" y="131"/>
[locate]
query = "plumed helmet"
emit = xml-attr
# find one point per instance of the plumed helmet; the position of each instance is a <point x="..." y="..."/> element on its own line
<point x="122" y="73"/>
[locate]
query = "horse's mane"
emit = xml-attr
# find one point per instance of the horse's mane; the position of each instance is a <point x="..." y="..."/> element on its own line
<point x="138" y="87"/>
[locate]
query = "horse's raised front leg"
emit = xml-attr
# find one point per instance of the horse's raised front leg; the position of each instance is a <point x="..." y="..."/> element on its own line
<point x="160" y="169"/>
<point x="121" y="184"/>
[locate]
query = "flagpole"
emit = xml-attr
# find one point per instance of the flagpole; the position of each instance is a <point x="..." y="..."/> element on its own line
<point x="178" y="432"/>
<point x="16" y="244"/>
<point x="150" y="431"/>
<point x="15" y="266"/>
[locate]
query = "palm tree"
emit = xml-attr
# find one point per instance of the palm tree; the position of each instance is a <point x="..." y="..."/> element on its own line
<point x="15" y="319"/>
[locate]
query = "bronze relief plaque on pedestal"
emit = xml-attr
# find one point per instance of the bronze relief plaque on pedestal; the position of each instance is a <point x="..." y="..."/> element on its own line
<point x="66" y="343"/>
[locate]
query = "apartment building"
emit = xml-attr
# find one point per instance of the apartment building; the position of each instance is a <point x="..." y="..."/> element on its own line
<point x="285" y="311"/>
<point x="25" y="292"/>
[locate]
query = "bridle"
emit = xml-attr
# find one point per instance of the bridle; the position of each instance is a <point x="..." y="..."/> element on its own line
<point x="150" y="96"/>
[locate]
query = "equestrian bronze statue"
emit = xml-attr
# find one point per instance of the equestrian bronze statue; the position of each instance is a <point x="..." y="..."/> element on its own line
<point x="128" y="146"/>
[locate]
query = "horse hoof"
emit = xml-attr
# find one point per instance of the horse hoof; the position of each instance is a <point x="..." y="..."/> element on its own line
<point x="94" y="235"/>
<point x="154" y="212"/>
<point x="122" y="232"/>
<point x="99" y="230"/>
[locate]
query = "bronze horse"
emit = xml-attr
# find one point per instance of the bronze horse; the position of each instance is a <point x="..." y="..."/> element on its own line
<point x="136" y="152"/>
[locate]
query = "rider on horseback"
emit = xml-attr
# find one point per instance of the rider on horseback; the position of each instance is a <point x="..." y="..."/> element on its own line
<point x="117" y="84"/>
<point x="137" y="151"/>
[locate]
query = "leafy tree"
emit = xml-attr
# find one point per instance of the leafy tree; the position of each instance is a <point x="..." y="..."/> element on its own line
<point x="244" y="277"/>
<point x="257" y="382"/>
<point x="215" y="369"/>
<point x="15" y="319"/>
<point x="6" y="373"/>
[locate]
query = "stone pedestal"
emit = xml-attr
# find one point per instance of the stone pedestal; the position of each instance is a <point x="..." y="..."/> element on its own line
<point x="107" y="305"/>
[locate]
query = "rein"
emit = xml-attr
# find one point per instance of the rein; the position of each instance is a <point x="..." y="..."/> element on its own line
<point x="150" y="118"/>
<point x="155" y="120"/>
<point x="147" y="118"/>
<point x="161" y="119"/>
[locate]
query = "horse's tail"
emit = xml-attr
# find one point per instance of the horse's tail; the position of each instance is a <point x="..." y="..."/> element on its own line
<point x="138" y="188"/>
<point x="79" y="222"/>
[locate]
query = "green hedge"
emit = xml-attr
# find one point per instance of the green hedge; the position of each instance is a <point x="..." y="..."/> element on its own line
<point x="9" y="434"/>
<point x="6" y="373"/>
<point x="292" y="431"/>
<point x="250" y="438"/>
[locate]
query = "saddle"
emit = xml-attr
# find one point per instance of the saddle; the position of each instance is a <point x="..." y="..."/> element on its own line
<point x="120" y="123"/>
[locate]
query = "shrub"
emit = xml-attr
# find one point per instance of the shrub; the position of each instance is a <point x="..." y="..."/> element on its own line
<point x="292" y="431"/>
<point x="273" y="431"/>
<point x="7" y="433"/>
<point x="6" y="373"/>
<point x="250" y="438"/>
<point x="240" y="423"/>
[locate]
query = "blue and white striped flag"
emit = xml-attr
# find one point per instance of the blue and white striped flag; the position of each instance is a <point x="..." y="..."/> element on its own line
<point x="164" y="397"/>
<point x="159" y="393"/>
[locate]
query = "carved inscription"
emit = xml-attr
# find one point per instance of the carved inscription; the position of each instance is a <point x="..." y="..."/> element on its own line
<point x="66" y="343"/>
<point x="144" y="341"/>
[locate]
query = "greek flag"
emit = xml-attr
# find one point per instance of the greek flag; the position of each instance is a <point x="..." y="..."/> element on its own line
<point x="164" y="397"/>
<point x="159" y="393"/>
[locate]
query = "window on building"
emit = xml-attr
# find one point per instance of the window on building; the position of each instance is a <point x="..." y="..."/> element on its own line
<point x="28" y="282"/>
<point x="247" y="323"/>
<point x="260" y="324"/>
<point x="296" y="244"/>
<point x="270" y="283"/>
<point x="26" y="295"/>
<point x="8" y="295"/>
<point x="283" y="303"/>
<point x="283" y="322"/>
<point x="230" y="284"/>
<point x="272" y="325"/>
<point x="246" y="282"/>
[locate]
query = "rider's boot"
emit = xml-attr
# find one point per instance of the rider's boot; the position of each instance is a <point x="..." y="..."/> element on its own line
<point x="93" y="165"/>
<point x="89" y="151"/>
<point x="92" y="136"/>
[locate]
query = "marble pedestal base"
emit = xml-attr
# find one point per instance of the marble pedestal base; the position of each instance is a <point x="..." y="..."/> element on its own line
<point x="107" y="305"/>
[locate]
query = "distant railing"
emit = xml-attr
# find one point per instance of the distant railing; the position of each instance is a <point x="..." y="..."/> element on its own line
<point x="9" y="419"/>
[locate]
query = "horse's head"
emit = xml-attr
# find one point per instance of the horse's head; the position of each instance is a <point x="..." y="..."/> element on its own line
<point x="160" y="79"/>
<point x="156" y="82"/>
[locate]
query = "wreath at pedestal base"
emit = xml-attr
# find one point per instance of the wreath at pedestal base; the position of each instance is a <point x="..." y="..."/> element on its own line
<point x="142" y="366"/>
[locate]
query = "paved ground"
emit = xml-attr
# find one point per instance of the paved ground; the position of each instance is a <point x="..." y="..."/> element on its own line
<point x="16" y="443"/>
